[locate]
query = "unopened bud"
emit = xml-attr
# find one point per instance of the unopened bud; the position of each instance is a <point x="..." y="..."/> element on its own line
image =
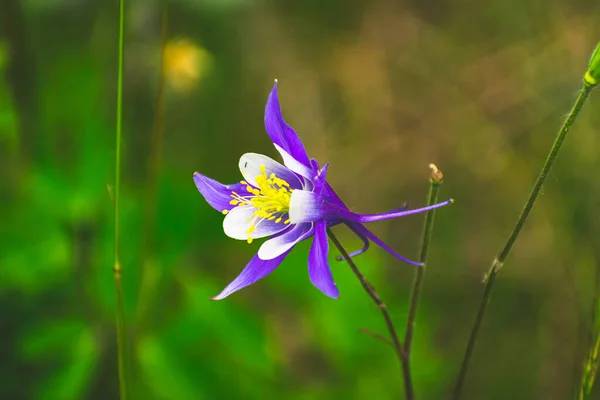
<point x="592" y="76"/>
<point x="436" y="175"/>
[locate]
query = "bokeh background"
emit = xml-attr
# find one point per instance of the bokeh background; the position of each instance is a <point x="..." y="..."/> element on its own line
<point x="380" y="89"/>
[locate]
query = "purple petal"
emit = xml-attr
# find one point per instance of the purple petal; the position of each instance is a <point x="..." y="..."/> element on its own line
<point x="281" y="133"/>
<point x="318" y="267"/>
<point x="321" y="179"/>
<point x="314" y="164"/>
<point x="360" y="229"/>
<point x="255" y="270"/>
<point x="278" y="245"/>
<point x="216" y="194"/>
<point x="332" y="196"/>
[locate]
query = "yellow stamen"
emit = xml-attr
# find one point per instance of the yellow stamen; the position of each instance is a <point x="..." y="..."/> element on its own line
<point x="225" y="212"/>
<point x="269" y="196"/>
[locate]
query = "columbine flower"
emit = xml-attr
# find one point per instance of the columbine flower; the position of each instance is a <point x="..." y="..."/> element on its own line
<point x="289" y="203"/>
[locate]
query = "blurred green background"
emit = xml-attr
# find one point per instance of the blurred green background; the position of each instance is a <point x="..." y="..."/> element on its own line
<point x="379" y="89"/>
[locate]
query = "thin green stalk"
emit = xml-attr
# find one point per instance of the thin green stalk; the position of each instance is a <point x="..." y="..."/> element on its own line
<point x="590" y="368"/>
<point x="121" y="326"/>
<point x="505" y="251"/>
<point x="434" y="188"/>
<point x="589" y="374"/>
<point x="408" y="386"/>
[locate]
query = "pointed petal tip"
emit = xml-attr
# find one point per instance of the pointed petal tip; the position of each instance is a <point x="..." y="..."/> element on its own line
<point x="280" y="132"/>
<point x="332" y="291"/>
<point x="275" y="82"/>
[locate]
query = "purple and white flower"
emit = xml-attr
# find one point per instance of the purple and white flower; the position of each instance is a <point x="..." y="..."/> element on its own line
<point x="288" y="202"/>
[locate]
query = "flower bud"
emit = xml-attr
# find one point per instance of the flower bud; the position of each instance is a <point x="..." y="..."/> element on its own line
<point x="592" y="76"/>
<point x="437" y="176"/>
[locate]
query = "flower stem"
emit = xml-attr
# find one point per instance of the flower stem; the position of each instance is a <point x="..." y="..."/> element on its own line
<point x="121" y="327"/>
<point x="408" y="387"/>
<point x="434" y="188"/>
<point x="590" y="368"/>
<point x="505" y="251"/>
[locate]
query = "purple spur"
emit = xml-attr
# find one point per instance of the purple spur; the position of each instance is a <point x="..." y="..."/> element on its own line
<point x="288" y="203"/>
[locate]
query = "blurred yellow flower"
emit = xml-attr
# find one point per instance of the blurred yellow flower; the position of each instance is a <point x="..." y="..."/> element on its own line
<point x="185" y="64"/>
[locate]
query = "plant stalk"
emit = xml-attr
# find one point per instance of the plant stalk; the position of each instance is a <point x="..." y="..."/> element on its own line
<point x="408" y="386"/>
<point x="505" y="250"/>
<point x="434" y="189"/>
<point x="121" y="326"/>
<point x="590" y="368"/>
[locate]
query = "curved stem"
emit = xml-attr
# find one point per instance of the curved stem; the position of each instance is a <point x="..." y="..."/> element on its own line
<point x="121" y="326"/>
<point x="434" y="188"/>
<point x="505" y="251"/>
<point x="408" y="387"/>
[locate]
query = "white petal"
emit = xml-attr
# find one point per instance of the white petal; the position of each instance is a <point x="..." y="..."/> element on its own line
<point x="237" y="221"/>
<point x="295" y="165"/>
<point x="250" y="164"/>
<point x="304" y="207"/>
<point x="275" y="247"/>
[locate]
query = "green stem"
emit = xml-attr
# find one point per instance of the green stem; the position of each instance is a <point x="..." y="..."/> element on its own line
<point x="434" y="189"/>
<point x="590" y="368"/>
<point x="505" y="251"/>
<point x="408" y="386"/>
<point x="121" y="326"/>
<point x="121" y="334"/>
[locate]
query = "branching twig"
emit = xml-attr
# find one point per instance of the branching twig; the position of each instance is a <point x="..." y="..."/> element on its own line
<point x="408" y="387"/>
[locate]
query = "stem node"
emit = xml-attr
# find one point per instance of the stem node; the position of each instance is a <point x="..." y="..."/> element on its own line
<point x="505" y="251"/>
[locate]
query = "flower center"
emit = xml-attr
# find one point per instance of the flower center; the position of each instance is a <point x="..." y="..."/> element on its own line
<point x="271" y="200"/>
